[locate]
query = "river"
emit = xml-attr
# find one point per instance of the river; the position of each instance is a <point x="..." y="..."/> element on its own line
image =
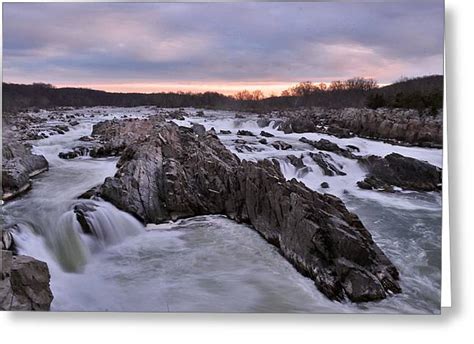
<point x="210" y="263"/>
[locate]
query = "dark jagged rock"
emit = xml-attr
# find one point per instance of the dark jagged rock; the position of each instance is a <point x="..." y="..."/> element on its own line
<point x="302" y="169"/>
<point x="280" y="145"/>
<point x="372" y="183"/>
<point x="326" y="145"/>
<point x="245" y="133"/>
<point x="18" y="166"/>
<point x="175" y="174"/>
<point x="295" y="161"/>
<point x="323" y="161"/>
<point x="76" y="152"/>
<point x="398" y="170"/>
<point x="225" y="132"/>
<point x="263" y="141"/>
<point x="24" y="284"/>
<point x="266" y="134"/>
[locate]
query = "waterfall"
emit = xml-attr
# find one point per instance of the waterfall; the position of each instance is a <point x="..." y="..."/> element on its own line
<point x="66" y="240"/>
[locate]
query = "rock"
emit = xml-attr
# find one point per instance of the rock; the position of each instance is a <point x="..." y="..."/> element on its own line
<point x="6" y="240"/>
<point x="301" y="168"/>
<point x="178" y="115"/>
<point x="263" y="122"/>
<point x="175" y="174"/>
<point x="280" y="145"/>
<point x="18" y="166"/>
<point x="240" y="142"/>
<point x="199" y="129"/>
<point x="86" y="138"/>
<point x="323" y="161"/>
<point x="245" y="133"/>
<point x="239" y="115"/>
<point x="200" y="113"/>
<point x="225" y="132"/>
<point x="295" y="161"/>
<point x="73" y="123"/>
<point x="263" y="141"/>
<point x="76" y="152"/>
<point x="373" y="183"/>
<point x="326" y="145"/>
<point x="266" y="134"/>
<point x="393" y="125"/>
<point x="353" y="148"/>
<point x="324" y="185"/>
<point x="398" y="170"/>
<point x="25" y="284"/>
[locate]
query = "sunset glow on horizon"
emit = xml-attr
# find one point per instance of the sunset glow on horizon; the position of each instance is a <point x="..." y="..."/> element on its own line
<point x="219" y="47"/>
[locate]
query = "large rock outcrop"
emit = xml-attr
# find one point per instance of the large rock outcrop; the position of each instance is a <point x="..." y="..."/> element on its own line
<point x="169" y="172"/>
<point x="397" y="125"/>
<point x="24" y="283"/>
<point x="18" y="166"/>
<point x="398" y="170"/>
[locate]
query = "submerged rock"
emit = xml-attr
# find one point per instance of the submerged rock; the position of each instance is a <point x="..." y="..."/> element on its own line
<point x="398" y="170"/>
<point x="175" y="174"/>
<point x="266" y="134"/>
<point x="280" y="145"/>
<point x="245" y="133"/>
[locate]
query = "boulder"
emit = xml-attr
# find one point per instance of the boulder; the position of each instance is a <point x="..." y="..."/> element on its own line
<point x="18" y="166"/>
<point x="398" y="170"/>
<point x="24" y="285"/>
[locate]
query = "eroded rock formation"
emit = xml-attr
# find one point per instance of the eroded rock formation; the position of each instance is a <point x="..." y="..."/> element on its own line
<point x="399" y="125"/>
<point x="18" y="166"/>
<point x="169" y="172"/>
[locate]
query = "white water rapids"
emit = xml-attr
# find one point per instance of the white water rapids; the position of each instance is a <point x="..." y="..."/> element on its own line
<point x="211" y="263"/>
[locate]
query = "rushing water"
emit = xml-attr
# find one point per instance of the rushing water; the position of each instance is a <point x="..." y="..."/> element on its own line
<point x="211" y="263"/>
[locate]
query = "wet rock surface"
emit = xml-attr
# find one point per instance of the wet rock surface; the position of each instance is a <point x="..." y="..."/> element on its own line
<point x="168" y="172"/>
<point x="398" y="170"/>
<point x="327" y="164"/>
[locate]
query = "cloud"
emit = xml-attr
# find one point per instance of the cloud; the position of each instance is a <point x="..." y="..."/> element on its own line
<point x="220" y="42"/>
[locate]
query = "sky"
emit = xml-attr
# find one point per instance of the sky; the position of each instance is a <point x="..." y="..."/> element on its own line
<point x="224" y="47"/>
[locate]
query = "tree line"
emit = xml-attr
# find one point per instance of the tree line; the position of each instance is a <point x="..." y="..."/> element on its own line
<point x="418" y="93"/>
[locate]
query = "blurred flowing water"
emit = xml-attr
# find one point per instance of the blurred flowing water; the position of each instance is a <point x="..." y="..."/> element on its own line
<point x="210" y="263"/>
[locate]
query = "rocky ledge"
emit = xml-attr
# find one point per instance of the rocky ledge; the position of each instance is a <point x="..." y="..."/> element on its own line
<point x="170" y="172"/>
<point x="24" y="281"/>
<point x="393" y="125"/>
<point x="398" y="170"/>
<point x="18" y="166"/>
